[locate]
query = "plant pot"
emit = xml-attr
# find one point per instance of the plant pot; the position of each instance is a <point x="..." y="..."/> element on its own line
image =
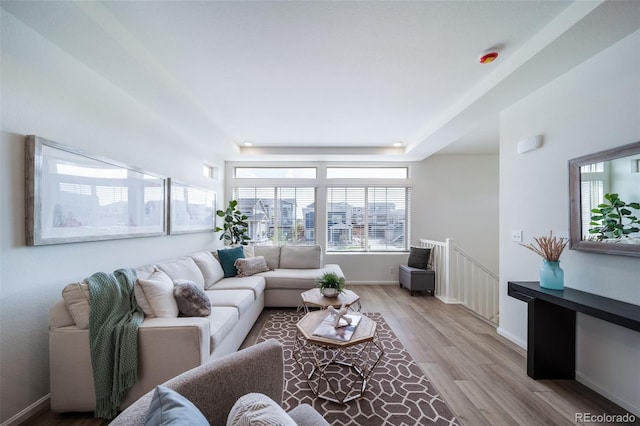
<point x="329" y="292"/>
<point x="551" y="275"/>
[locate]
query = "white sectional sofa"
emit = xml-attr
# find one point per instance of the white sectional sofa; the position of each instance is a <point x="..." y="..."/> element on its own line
<point x="170" y="346"/>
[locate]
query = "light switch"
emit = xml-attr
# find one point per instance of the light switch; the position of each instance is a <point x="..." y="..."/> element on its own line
<point x="516" y="236"/>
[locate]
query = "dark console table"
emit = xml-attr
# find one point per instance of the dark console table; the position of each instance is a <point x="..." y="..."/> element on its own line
<point x="551" y="328"/>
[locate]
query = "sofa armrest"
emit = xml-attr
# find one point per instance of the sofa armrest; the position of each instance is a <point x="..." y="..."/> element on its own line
<point x="166" y="348"/>
<point x="215" y="386"/>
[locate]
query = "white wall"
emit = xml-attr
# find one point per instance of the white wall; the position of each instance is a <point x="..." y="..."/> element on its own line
<point x="593" y="107"/>
<point x="456" y="196"/>
<point x="47" y="93"/>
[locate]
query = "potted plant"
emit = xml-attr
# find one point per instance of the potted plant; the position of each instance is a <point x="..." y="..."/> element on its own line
<point x="331" y="285"/>
<point x="235" y="227"/>
<point x="612" y="220"/>
<point x="549" y="248"/>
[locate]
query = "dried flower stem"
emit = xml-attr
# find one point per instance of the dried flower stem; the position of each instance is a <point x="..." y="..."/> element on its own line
<point x="550" y="248"/>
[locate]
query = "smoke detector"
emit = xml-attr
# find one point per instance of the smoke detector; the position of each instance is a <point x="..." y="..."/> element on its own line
<point x="488" y="57"/>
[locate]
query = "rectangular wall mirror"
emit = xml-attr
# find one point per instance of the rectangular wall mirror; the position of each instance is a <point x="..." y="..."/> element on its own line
<point x="604" y="196"/>
<point x="191" y="209"/>
<point x="73" y="196"/>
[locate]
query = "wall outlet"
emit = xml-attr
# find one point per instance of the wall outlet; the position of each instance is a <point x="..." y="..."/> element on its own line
<point x="392" y="270"/>
<point x="516" y="236"/>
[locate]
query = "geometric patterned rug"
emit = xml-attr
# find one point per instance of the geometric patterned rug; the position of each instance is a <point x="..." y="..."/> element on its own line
<point x="397" y="394"/>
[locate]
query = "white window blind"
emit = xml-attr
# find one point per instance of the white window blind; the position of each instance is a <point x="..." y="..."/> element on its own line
<point x="367" y="218"/>
<point x="594" y="184"/>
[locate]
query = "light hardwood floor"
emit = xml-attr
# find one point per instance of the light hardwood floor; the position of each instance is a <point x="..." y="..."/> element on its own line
<point x="480" y="375"/>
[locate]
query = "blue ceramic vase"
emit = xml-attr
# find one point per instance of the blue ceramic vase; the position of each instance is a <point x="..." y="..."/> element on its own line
<point x="551" y="275"/>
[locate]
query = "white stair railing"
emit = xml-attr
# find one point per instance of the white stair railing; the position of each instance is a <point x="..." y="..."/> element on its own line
<point x="462" y="279"/>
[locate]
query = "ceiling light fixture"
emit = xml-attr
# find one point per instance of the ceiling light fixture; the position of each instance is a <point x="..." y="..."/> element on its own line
<point x="397" y="144"/>
<point x="247" y="143"/>
<point x="488" y="57"/>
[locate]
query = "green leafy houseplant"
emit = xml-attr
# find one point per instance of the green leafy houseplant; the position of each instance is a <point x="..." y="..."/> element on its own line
<point x="614" y="219"/>
<point x="331" y="280"/>
<point x="235" y="225"/>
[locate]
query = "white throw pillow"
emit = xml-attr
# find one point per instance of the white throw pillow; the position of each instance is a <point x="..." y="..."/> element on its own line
<point x="154" y="295"/>
<point x="77" y="299"/>
<point x="256" y="409"/>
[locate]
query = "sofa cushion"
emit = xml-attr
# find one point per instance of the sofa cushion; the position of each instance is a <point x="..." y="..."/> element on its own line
<point x="222" y="321"/>
<point x="250" y="266"/>
<point x="297" y="278"/>
<point x="270" y="253"/>
<point x="145" y="271"/>
<point x="77" y="297"/>
<point x="59" y="315"/>
<point x="209" y="266"/>
<point x="254" y="283"/>
<point x="227" y="259"/>
<point x="184" y="268"/>
<point x="239" y="298"/>
<point x="154" y="295"/>
<point x="168" y="407"/>
<point x="191" y="299"/>
<point x="258" y="409"/>
<point x="248" y="251"/>
<point x="300" y="257"/>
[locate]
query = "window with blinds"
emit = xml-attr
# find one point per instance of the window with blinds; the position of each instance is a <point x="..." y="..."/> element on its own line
<point x="277" y="214"/>
<point x="368" y="219"/>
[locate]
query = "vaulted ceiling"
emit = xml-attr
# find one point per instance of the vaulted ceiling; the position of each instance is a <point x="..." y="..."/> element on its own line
<point x="331" y="80"/>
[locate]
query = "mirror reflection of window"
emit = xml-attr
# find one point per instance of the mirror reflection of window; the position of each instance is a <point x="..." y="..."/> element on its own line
<point x="594" y="183"/>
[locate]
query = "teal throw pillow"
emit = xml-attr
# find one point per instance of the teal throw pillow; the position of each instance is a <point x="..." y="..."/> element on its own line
<point x="168" y="407"/>
<point x="228" y="258"/>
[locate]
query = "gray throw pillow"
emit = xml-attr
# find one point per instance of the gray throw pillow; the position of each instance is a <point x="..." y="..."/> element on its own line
<point x="419" y="257"/>
<point x="250" y="266"/>
<point x="192" y="301"/>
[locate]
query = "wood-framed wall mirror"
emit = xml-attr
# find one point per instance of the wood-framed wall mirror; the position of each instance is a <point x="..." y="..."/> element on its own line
<point x="599" y="222"/>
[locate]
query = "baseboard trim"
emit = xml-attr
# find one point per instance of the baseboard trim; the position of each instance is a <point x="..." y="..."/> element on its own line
<point x="501" y="331"/>
<point x="40" y="405"/>
<point x="373" y="283"/>
<point x="448" y="300"/>
<point x="585" y="380"/>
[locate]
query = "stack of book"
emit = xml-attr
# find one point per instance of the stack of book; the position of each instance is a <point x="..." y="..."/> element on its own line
<point x="341" y="333"/>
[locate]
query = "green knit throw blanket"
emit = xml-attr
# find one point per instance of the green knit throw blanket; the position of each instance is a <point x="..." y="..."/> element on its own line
<point x="114" y="320"/>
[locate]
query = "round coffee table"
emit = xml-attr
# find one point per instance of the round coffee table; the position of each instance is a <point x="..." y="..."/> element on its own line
<point x="314" y="299"/>
<point x="336" y="370"/>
